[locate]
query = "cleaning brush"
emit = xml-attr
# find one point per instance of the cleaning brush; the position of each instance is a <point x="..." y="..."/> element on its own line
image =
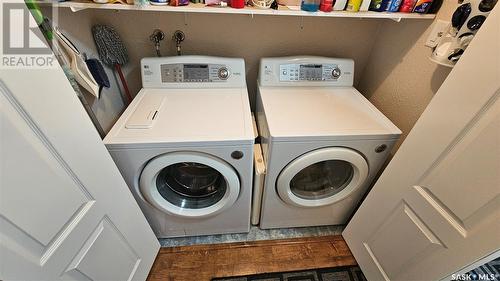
<point x="111" y="51"/>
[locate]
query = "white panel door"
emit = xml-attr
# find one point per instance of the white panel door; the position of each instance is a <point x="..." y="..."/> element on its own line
<point x="436" y="207"/>
<point x="65" y="211"/>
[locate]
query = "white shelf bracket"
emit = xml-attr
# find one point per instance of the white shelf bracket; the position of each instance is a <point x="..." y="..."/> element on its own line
<point x="396" y="19"/>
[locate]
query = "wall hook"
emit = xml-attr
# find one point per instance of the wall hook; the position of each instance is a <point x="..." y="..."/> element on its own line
<point x="301" y="22"/>
<point x="185" y="18"/>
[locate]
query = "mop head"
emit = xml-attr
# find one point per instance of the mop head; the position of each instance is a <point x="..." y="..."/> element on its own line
<point x="109" y="45"/>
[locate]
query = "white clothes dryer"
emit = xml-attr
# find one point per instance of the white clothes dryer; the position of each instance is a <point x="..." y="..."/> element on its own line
<point x="323" y="141"/>
<point x="185" y="146"/>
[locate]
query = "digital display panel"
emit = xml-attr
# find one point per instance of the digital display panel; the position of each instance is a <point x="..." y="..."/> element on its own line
<point x="311" y="71"/>
<point x="196" y="72"/>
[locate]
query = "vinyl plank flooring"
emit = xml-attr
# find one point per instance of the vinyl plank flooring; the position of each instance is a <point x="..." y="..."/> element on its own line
<point x="204" y="262"/>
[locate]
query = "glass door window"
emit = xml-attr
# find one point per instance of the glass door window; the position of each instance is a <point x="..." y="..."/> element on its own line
<point x="322" y="179"/>
<point x="191" y="185"/>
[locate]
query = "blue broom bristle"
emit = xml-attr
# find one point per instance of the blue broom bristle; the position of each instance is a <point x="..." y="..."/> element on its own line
<point x="98" y="72"/>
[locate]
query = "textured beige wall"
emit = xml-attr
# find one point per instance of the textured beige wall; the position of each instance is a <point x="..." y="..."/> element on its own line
<point x="221" y="35"/>
<point x="399" y="79"/>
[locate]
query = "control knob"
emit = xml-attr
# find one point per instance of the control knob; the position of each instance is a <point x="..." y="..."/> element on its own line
<point x="223" y="73"/>
<point x="336" y="73"/>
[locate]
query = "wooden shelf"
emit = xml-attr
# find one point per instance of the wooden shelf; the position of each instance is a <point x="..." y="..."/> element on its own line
<point x="79" y="5"/>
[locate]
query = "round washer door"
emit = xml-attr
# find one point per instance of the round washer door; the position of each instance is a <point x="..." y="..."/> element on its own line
<point x="322" y="177"/>
<point x="189" y="184"/>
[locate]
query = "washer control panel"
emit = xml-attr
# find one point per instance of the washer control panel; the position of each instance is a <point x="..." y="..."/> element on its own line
<point x="309" y="72"/>
<point x="194" y="72"/>
<point x="306" y="71"/>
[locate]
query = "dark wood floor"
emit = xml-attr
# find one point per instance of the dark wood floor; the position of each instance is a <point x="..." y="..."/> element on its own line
<point x="203" y="262"/>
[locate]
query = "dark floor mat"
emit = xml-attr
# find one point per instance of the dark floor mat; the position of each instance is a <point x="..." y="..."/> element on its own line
<point x="346" y="273"/>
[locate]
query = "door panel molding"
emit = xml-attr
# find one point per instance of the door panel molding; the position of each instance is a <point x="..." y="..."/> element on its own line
<point x="65" y="231"/>
<point x="376" y="262"/>
<point x="26" y="219"/>
<point x="447" y="214"/>
<point x="16" y="105"/>
<point x="386" y="242"/>
<point x="25" y="244"/>
<point x="99" y="247"/>
<point x="461" y="135"/>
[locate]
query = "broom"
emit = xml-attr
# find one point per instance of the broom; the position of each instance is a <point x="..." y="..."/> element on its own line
<point x="111" y="51"/>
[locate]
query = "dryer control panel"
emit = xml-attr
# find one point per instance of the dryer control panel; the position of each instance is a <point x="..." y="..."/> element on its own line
<point x="306" y="71"/>
<point x="309" y="72"/>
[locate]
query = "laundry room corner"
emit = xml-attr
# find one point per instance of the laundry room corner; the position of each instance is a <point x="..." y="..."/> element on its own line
<point x="399" y="78"/>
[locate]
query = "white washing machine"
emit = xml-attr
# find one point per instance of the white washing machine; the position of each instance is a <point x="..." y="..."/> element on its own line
<point x="323" y="142"/>
<point x="185" y="146"/>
